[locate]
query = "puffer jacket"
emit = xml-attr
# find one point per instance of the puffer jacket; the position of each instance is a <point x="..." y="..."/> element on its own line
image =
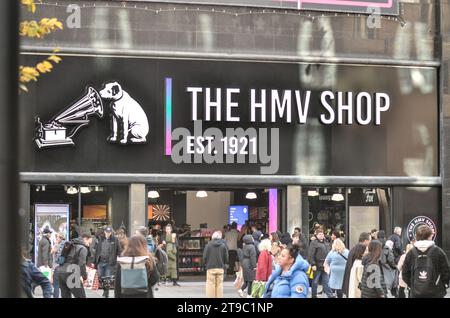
<point x="292" y="284"/>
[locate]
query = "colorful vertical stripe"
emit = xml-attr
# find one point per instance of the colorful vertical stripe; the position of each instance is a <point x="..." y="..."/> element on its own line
<point x="273" y="210"/>
<point x="168" y="113"/>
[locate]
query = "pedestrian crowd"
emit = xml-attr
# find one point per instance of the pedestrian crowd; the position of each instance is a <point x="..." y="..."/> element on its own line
<point x="265" y="265"/>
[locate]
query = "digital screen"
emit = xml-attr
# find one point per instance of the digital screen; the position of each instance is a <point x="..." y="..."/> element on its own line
<point x="238" y="214"/>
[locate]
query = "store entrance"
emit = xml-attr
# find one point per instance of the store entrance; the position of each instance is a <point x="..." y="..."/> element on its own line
<point x="196" y="213"/>
<point x="347" y="212"/>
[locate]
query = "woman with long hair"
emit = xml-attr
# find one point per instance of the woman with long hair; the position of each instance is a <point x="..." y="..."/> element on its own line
<point x="356" y="272"/>
<point x="136" y="252"/>
<point x="336" y="261"/>
<point x="170" y="243"/>
<point x="372" y="283"/>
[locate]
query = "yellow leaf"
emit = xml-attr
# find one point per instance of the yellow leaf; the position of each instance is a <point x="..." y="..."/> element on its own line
<point x="48" y="65"/>
<point x="41" y="67"/>
<point x="56" y="50"/>
<point x="54" y="58"/>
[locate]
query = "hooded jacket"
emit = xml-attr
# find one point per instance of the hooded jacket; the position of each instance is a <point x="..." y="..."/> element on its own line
<point x="398" y="246"/>
<point x="440" y="264"/>
<point x="292" y="284"/>
<point x="78" y="256"/>
<point x="247" y="258"/>
<point x="215" y="255"/>
<point x="372" y="273"/>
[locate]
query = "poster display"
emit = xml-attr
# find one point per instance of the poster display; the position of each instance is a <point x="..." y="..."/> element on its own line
<point x="55" y="217"/>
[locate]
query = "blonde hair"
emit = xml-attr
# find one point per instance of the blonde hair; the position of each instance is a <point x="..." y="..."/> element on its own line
<point x="408" y="248"/>
<point x="265" y="245"/>
<point x="338" y="246"/>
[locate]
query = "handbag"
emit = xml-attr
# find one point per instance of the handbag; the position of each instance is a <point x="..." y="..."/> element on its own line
<point x="258" y="287"/>
<point x="239" y="279"/>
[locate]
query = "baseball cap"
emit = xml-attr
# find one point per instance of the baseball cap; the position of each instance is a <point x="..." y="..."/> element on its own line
<point x="46" y="231"/>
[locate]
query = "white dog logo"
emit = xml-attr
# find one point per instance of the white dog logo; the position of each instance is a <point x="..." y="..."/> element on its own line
<point x="127" y="111"/>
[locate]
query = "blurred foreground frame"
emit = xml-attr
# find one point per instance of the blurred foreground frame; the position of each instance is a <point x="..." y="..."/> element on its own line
<point x="9" y="128"/>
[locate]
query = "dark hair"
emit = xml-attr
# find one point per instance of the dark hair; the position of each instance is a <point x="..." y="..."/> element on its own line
<point x="86" y="235"/>
<point x="234" y="225"/>
<point x="298" y="229"/>
<point x="336" y="233"/>
<point x="373" y="231"/>
<point x="374" y="251"/>
<point x="423" y="232"/>
<point x="364" y="236"/>
<point x="293" y="251"/>
<point x="381" y="234"/>
<point x="360" y="249"/>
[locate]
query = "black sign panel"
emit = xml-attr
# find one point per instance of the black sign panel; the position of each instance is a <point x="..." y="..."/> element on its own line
<point x="384" y="7"/>
<point x="139" y="115"/>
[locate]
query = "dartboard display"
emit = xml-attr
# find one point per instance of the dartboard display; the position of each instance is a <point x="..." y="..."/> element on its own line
<point x="161" y="212"/>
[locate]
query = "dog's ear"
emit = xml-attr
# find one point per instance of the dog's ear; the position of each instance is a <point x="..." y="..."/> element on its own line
<point x="115" y="89"/>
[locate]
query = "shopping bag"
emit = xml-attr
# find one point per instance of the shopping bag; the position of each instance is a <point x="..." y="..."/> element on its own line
<point x="239" y="279"/>
<point x="258" y="288"/>
<point x="47" y="271"/>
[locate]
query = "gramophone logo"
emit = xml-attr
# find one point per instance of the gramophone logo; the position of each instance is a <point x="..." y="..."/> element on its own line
<point x="129" y="122"/>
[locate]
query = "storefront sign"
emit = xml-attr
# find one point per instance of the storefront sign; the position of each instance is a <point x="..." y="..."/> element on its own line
<point x="53" y="217"/>
<point x="385" y="7"/>
<point x="191" y="116"/>
<point x="416" y="222"/>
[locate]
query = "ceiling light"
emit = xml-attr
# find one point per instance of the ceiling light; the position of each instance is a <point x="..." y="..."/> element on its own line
<point x="251" y="196"/>
<point x="201" y="194"/>
<point x="313" y="193"/>
<point x="337" y="197"/>
<point x="153" y="194"/>
<point x="85" y="189"/>
<point x="72" y="190"/>
<point x="43" y="187"/>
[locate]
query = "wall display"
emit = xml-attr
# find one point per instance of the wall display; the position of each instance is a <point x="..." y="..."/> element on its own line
<point x="53" y="217"/>
<point x="223" y="117"/>
<point x="238" y="214"/>
<point x="416" y="222"/>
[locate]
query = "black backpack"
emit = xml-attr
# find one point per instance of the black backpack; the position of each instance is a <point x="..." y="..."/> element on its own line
<point x="68" y="245"/>
<point x="424" y="278"/>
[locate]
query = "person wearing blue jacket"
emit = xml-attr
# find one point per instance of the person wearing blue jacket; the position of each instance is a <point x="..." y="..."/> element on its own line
<point x="289" y="280"/>
<point x="30" y="275"/>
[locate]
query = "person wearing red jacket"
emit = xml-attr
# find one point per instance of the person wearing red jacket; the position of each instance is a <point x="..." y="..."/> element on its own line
<point x="264" y="266"/>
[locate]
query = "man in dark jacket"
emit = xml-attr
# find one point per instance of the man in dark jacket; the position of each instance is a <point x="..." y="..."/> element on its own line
<point x="72" y="273"/>
<point x="31" y="275"/>
<point x="428" y="277"/>
<point x="318" y="251"/>
<point x="215" y="257"/>
<point x="364" y="238"/>
<point x="44" y="250"/>
<point x="108" y="249"/>
<point x="396" y="238"/>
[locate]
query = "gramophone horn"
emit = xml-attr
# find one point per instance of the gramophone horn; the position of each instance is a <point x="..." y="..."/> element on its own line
<point x="90" y="103"/>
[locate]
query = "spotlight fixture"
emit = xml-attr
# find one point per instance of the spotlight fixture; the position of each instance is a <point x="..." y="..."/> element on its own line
<point x="72" y="190"/>
<point x="337" y="196"/>
<point x="85" y="189"/>
<point x="313" y="193"/>
<point x="152" y="194"/>
<point x="251" y="196"/>
<point x="201" y="194"/>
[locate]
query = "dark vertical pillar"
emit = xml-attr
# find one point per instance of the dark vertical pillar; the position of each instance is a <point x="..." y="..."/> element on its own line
<point x="119" y="206"/>
<point x="9" y="216"/>
<point x="443" y="10"/>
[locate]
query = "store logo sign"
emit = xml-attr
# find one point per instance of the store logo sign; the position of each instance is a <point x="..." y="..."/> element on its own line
<point x="129" y="122"/>
<point x="416" y="222"/>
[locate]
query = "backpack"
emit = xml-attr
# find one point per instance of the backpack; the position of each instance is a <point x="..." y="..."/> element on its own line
<point x="133" y="276"/>
<point x="65" y="252"/>
<point x="424" y="279"/>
